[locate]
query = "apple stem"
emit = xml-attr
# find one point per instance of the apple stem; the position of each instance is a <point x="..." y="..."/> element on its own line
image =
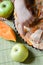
<point x="4" y="5"/>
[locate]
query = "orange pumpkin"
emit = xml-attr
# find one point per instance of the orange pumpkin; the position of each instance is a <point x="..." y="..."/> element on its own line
<point x="6" y="32"/>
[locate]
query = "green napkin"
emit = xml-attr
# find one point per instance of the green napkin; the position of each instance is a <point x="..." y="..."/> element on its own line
<point x="35" y="56"/>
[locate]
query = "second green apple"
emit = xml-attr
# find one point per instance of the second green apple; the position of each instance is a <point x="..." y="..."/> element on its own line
<point x="19" y="53"/>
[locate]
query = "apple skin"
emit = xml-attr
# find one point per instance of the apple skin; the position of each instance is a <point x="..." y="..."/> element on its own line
<point x="6" y="8"/>
<point x="19" y="53"/>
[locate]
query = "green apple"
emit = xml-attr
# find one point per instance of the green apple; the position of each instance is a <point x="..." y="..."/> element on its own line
<point x="6" y="8"/>
<point x="19" y="53"/>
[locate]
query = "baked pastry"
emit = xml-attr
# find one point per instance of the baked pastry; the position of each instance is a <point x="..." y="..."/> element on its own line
<point x="28" y="25"/>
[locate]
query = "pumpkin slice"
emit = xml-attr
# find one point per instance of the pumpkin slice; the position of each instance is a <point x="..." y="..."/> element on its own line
<point x="6" y="32"/>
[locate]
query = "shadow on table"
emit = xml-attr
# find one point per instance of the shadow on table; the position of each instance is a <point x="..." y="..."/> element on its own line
<point x="19" y="39"/>
<point x="30" y="58"/>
